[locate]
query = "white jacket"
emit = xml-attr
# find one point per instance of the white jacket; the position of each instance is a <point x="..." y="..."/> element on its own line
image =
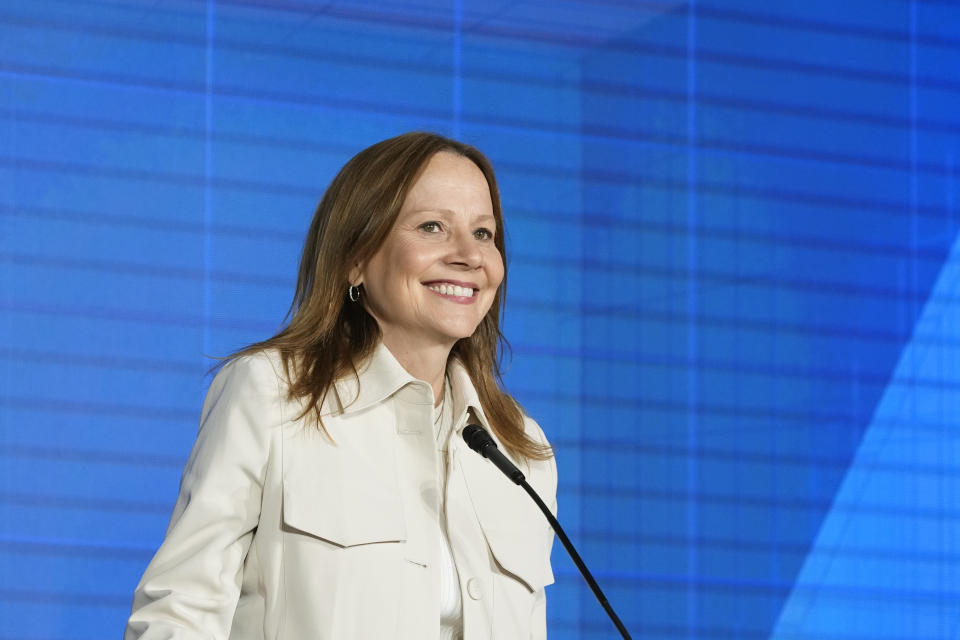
<point x="280" y="534"/>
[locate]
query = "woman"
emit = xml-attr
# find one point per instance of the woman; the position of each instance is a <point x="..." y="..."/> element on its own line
<point x="329" y="494"/>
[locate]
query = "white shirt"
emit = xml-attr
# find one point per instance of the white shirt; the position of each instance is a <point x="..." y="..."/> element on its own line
<point x="451" y="613"/>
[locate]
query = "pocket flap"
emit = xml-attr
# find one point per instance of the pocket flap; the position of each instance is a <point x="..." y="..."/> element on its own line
<point x="343" y="493"/>
<point x="519" y="536"/>
<point x="523" y="554"/>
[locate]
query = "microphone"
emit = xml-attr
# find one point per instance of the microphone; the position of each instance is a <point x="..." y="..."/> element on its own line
<point x="480" y="441"/>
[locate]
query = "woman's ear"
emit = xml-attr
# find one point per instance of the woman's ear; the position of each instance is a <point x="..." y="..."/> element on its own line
<point x="355" y="277"/>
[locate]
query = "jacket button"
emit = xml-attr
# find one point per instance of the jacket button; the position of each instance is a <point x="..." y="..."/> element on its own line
<point x="474" y="589"/>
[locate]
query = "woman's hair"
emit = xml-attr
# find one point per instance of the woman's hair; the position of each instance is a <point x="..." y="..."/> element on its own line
<point x="327" y="336"/>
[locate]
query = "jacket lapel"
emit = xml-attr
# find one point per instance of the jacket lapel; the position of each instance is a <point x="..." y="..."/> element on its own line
<point x="517" y="533"/>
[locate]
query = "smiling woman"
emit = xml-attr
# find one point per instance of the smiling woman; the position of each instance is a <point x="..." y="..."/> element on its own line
<point x="436" y="275"/>
<point x="329" y="494"/>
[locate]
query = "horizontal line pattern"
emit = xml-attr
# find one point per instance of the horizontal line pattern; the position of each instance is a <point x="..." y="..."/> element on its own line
<point x="598" y="132"/>
<point x="650" y="361"/>
<point x="711" y="278"/>
<point x="826" y="208"/>
<point x="590" y="130"/>
<point x="664" y="51"/>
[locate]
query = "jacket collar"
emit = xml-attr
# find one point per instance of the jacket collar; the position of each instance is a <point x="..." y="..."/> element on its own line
<point x="381" y="376"/>
<point x="377" y="379"/>
<point x="465" y="397"/>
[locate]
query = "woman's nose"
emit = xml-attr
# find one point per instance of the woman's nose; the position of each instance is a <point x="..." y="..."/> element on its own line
<point x="465" y="250"/>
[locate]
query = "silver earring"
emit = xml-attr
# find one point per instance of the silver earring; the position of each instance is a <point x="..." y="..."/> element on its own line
<point x="353" y="293"/>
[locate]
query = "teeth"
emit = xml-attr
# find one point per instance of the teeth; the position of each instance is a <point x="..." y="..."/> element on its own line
<point x="452" y="290"/>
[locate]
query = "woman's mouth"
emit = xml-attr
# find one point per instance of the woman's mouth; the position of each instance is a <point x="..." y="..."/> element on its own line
<point x="451" y="290"/>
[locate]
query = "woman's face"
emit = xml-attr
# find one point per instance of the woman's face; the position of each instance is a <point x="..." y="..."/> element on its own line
<point x="436" y="274"/>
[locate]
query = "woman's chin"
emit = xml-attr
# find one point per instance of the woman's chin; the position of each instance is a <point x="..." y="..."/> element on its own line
<point x="451" y="336"/>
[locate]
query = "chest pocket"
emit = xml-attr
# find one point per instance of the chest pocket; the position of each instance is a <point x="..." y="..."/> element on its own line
<point x="519" y="536"/>
<point x="344" y="491"/>
<point x="523" y="553"/>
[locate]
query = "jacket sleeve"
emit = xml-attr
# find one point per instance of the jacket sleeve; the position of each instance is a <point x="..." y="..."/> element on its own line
<point x="191" y="587"/>
<point x="546" y="487"/>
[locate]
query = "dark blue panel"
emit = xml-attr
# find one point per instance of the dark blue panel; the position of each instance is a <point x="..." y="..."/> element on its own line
<point x="724" y="220"/>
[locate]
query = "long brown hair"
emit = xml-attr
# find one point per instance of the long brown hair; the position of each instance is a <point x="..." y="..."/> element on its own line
<point x="327" y="337"/>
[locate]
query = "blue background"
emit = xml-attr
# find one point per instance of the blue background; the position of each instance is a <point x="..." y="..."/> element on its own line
<point x="734" y="299"/>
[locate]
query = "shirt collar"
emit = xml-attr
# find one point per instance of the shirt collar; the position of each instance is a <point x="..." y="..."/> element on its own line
<point x="465" y="396"/>
<point x="377" y="379"/>
<point x="381" y="376"/>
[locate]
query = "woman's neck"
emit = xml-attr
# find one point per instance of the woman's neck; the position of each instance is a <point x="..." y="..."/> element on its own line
<point x="427" y="363"/>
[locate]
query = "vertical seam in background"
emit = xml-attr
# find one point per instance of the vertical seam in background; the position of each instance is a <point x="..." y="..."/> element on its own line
<point x="947" y="544"/>
<point x="6" y="268"/>
<point x="692" y="337"/>
<point x="914" y="185"/>
<point x="457" y="89"/>
<point x="6" y="263"/>
<point x="207" y="178"/>
<point x="913" y="305"/>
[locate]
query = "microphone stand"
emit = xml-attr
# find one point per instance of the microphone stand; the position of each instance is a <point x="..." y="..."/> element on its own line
<point x="576" y="560"/>
<point x="480" y="441"/>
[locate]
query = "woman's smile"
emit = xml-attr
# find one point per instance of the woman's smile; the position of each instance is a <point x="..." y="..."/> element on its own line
<point x="455" y="291"/>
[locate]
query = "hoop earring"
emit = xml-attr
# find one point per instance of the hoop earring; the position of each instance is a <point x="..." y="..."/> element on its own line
<point x="353" y="293"/>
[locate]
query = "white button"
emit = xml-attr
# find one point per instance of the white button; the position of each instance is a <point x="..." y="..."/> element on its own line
<point x="474" y="589"/>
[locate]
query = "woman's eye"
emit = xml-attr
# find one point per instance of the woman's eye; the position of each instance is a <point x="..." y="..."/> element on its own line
<point x="483" y="234"/>
<point x="431" y="227"/>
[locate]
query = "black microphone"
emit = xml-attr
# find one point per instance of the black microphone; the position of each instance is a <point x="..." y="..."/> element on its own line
<point x="480" y="441"/>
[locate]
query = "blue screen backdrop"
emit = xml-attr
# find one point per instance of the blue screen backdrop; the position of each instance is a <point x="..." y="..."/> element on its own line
<point x="734" y="297"/>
